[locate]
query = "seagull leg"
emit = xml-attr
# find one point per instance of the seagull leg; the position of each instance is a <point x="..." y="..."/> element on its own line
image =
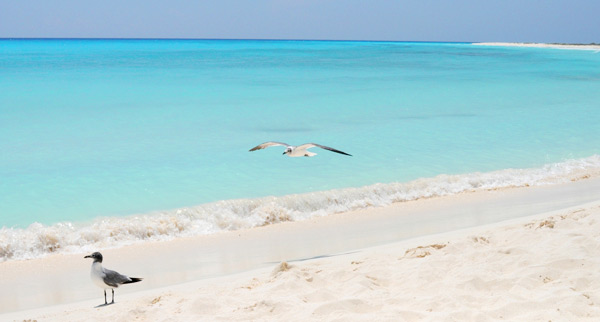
<point x="113" y="293"/>
<point x="105" y="302"/>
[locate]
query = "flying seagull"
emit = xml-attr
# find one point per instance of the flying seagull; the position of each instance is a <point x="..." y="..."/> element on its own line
<point x="105" y="278"/>
<point x="297" y="151"/>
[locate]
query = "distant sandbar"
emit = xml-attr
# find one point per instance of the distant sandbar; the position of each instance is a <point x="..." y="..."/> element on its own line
<point x="542" y="45"/>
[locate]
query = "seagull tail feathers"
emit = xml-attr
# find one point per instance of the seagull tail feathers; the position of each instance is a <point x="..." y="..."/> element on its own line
<point x="133" y="280"/>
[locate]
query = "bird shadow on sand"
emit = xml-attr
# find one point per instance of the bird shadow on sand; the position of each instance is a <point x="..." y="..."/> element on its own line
<point x="103" y="305"/>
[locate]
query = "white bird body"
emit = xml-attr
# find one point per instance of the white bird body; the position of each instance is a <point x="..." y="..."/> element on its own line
<point x="297" y="151"/>
<point x="97" y="274"/>
<point x="300" y="151"/>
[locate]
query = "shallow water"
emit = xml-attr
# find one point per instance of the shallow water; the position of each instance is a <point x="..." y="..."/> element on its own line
<point x="95" y="131"/>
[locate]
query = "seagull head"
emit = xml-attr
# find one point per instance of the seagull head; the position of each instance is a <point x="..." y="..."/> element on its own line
<point x="288" y="150"/>
<point x="96" y="256"/>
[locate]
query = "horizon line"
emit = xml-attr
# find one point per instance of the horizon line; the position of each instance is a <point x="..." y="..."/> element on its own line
<point x="250" y="39"/>
<point x="296" y="39"/>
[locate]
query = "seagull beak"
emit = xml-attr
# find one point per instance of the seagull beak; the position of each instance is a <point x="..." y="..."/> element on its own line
<point x="284" y="152"/>
<point x="88" y="256"/>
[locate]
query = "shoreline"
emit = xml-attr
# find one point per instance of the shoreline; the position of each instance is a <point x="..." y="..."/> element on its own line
<point x="541" y="45"/>
<point x="203" y="259"/>
<point x="39" y="241"/>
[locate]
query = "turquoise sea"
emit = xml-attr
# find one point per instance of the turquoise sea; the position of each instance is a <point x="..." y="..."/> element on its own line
<point x="109" y="142"/>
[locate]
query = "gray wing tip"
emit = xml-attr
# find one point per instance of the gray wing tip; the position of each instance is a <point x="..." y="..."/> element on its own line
<point x="259" y="147"/>
<point x="344" y="153"/>
<point x="331" y="149"/>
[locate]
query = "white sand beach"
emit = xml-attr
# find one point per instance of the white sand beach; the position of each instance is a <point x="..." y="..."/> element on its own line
<point x="517" y="254"/>
<point x="540" y="45"/>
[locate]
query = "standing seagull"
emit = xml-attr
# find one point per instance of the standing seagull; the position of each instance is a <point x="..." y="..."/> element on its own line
<point x="297" y="151"/>
<point x="105" y="278"/>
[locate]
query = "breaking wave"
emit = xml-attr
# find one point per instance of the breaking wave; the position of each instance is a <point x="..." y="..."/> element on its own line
<point x="38" y="240"/>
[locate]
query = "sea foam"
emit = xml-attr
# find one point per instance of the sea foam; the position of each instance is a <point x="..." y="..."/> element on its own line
<point x="39" y="240"/>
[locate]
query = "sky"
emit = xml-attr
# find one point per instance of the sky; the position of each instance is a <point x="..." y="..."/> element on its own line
<point x="569" y="21"/>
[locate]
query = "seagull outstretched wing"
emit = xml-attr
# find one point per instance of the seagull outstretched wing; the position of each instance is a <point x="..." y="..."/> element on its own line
<point x="312" y="145"/>
<point x="267" y="144"/>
